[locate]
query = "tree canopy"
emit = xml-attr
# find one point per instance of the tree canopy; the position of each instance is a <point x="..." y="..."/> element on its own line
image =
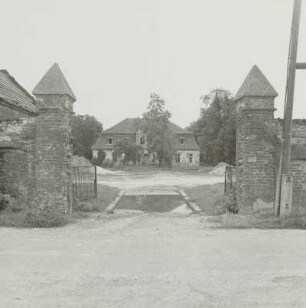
<point x="155" y="125"/>
<point x="85" y="131"/>
<point x="128" y="148"/>
<point x="215" y="130"/>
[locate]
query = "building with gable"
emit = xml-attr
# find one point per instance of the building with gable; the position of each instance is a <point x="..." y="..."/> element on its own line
<point x="187" y="151"/>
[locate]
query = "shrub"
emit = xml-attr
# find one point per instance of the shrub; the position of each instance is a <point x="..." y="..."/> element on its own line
<point x="46" y="218"/>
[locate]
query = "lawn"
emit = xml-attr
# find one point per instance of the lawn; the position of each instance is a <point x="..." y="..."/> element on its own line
<point x="207" y="197"/>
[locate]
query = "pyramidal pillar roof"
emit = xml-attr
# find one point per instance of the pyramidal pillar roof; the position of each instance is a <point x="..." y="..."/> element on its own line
<point x="54" y="83"/>
<point x="256" y="84"/>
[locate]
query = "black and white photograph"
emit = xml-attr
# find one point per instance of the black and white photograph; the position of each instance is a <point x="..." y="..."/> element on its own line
<point x="153" y="154"/>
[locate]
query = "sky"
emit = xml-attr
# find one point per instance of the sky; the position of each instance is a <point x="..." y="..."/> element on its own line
<point x="114" y="53"/>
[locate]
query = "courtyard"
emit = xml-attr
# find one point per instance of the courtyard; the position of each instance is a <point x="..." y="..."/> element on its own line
<point x="152" y="259"/>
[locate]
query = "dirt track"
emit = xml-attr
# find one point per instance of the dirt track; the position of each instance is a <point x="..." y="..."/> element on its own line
<point x="135" y="259"/>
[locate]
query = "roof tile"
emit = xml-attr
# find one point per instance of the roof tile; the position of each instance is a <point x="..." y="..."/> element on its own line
<point x="12" y="93"/>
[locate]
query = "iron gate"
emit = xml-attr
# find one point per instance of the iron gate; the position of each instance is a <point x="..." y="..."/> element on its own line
<point x="84" y="183"/>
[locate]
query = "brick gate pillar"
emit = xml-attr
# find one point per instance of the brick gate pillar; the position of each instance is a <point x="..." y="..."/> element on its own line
<point x="52" y="145"/>
<point x="255" y="157"/>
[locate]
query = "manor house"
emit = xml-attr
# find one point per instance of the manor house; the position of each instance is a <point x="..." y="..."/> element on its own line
<point x="187" y="152"/>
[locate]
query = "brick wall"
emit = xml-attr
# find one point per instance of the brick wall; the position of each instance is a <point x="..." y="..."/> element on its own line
<point x="17" y="145"/>
<point x="53" y="152"/>
<point x="255" y="150"/>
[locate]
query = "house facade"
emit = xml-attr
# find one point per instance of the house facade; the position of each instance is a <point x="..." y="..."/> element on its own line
<point x="187" y="151"/>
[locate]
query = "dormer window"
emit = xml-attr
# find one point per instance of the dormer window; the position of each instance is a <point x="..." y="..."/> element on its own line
<point x="182" y="141"/>
<point x="110" y="141"/>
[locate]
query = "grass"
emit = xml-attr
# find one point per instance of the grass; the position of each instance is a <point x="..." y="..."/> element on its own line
<point x="20" y="217"/>
<point x="210" y="197"/>
<point x="207" y="197"/>
<point x="261" y="219"/>
<point x="106" y="194"/>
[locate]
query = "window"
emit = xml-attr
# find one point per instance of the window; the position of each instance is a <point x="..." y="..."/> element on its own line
<point x="177" y="158"/>
<point x="110" y="141"/>
<point x="154" y="158"/>
<point x="182" y="141"/>
<point x="142" y="140"/>
<point x="190" y="158"/>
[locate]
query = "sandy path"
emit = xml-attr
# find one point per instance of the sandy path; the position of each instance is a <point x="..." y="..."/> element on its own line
<point x="151" y="260"/>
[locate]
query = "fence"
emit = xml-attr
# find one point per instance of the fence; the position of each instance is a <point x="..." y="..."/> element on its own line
<point x="84" y="183"/>
<point x="229" y="179"/>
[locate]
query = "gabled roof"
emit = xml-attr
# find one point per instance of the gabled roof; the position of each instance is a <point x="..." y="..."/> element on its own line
<point x="13" y="94"/>
<point x="175" y="129"/>
<point x="126" y="126"/>
<point x="130" y="126"/>
<point x="54" y="82"/>
<point x="189" y="144"/>
<point x="256" y="84"/>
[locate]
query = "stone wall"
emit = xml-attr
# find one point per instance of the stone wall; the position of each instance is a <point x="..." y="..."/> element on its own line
<point x="17" y="145"/>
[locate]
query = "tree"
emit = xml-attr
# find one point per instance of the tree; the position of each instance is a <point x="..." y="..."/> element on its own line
<point x="98" y="161"/>
<point x="128" y="149"/>
<point x="215" y="130"/>
<point x="85" y="131"/>
<point x="155" y="125"/>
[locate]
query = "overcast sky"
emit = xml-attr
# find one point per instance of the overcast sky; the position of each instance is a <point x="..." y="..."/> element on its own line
<point x="114" y="53"/>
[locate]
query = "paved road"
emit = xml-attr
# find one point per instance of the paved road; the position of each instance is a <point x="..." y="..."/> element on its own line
<point x="133" y="259"/>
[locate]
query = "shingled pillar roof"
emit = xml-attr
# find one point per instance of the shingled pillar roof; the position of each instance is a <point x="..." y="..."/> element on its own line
<point x="54" y="83"/>
<point x="256" y="84"/>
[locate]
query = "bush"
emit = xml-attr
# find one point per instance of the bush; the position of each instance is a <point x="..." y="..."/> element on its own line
<point x="30" y="218"/>
<point x="46" y="218"/>
<point x="107" y="163"/>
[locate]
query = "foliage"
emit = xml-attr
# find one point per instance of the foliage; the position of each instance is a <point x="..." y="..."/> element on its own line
<point x="30" y="218"/>
<point x="85" y="131"/>
<point x="155" y="124"/>
<point x="215" y="130"/>
<point x="127" y="149"/>
<point x="98" y="161"/>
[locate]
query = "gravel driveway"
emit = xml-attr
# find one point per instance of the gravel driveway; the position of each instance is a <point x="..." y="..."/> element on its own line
<point x="134" y="259"/>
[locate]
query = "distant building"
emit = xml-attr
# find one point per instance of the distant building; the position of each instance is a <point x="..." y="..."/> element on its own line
<point x="186" y="149"/>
